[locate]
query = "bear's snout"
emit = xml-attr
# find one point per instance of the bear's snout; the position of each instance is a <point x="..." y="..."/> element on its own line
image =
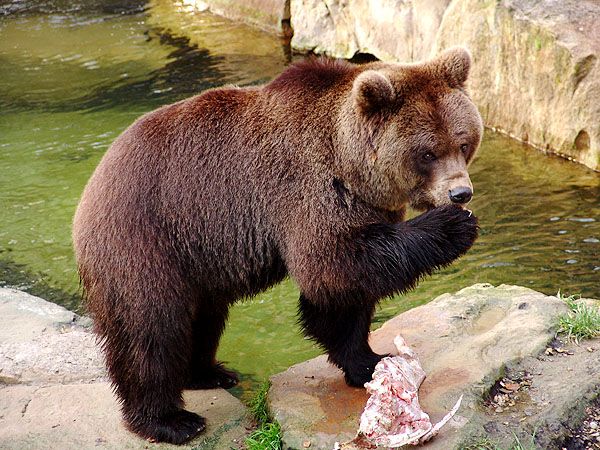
<point x="460" y="195"/>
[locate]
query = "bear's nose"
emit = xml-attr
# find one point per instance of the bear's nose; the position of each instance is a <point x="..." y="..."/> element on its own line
<point x="461" y="194"/>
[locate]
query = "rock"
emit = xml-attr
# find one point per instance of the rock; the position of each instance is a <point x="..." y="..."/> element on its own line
<point x="270" y="15"/>
<point x="388" y="29"/>
<point x="536" y="74"/>
<point x="552" y="404"/>
<point x="41" y="342"/>
<point x="464" y="342"/>
<point x="541" y="59"/>
<point x="76" y="416"/>
<point x="54" y="393"/>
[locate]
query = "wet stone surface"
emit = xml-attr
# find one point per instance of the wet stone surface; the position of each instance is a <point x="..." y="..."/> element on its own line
<point x="487" y="343"/>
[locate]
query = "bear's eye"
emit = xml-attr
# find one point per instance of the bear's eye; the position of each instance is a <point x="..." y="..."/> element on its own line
<point x="428" y="157"/>
<point x="464" y="148"/>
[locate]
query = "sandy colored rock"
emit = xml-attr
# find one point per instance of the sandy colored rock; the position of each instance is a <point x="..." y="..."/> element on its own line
<point x="41" y="342"/>
<point x="270" y="15"/>
<point x="464" y="341"/>
<point x="54" y="393"/>
<point x="388" y="29"/>
<point x="78" y="416"/>
<point x="536" y="74"/>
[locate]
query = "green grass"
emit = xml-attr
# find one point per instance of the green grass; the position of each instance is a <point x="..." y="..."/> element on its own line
<point x="518" y="445"/>
<point x="267" y="437"/>
<point x="268" y="434"/>
<point x="258" y="406"/>
<point x="581" y="322"/>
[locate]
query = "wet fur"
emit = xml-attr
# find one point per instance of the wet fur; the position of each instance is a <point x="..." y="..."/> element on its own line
<point x="219" y="197"/>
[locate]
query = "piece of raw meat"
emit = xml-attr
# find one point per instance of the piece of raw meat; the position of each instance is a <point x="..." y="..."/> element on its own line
<point x="393" y="417"/>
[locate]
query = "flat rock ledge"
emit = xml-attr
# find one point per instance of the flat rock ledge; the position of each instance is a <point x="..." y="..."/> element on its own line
<point x="54" y="392"/>
<point x="467" y="342"/>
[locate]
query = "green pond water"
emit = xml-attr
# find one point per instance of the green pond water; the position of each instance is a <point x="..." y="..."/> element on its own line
<point x="73" y="75"/>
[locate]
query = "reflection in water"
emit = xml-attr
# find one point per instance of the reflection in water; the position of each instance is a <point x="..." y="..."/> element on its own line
<point x="73" y="75"/>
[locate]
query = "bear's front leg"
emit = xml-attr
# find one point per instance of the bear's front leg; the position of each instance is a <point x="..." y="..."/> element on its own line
<point x="342" y="276"/>
<point x="342" y="329"/>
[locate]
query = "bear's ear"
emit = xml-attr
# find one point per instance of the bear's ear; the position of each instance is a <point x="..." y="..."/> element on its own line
<point x="372" y="91"/>
<point x="453" y="65"/>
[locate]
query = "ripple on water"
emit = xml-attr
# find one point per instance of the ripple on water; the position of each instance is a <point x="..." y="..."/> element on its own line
<point x="582" y="219"/>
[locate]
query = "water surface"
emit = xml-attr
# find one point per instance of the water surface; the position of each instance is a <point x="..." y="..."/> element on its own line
<point x="74" y="75"/>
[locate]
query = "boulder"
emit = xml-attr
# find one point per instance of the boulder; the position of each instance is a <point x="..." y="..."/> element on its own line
<point x="76" y="416"/>
<point x="465" y="343"/>
<point x="54" y="392"/>
<point x="270" y="15"/>
<point x="389" y="29"/>
<point x="41" y="342"/>
<point x="536" y="75"/>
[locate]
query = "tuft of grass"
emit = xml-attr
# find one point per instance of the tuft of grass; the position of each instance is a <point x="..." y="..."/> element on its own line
<point x="581" y="322"/>
<point x="518" y="445"/>
<point x="267" y="437"/>
<point x="268" y="434"/>
<point x="482" y="443"/>
<point x="258" y="407"/>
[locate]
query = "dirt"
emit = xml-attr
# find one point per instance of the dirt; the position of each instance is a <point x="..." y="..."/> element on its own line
<point x="550" y="400"/>
<point x="587" y="435"/>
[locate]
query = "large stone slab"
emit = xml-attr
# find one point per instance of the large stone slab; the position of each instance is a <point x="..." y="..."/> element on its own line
<point x="54" y="393"/>
<point x="80" y="416"/>
<point x="41" y="342"/>
<point x="536" y="74"/>
<point x="464" y="342"/>
<point x="388" y="29"/>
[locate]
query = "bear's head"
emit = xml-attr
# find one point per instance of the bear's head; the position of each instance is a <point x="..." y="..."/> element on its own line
<point x="407" y="133"/>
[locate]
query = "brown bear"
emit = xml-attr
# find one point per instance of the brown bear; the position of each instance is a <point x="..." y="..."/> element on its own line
<point x="217" y="197"/>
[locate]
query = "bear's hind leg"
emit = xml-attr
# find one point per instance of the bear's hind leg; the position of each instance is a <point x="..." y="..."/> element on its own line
<point x="147" y="336"/>
<point x="343" y="330"/>
<point x="205" y="372"/>
<point x="147" y="365"/>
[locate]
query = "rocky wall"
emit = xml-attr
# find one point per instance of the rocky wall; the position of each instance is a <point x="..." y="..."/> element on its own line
<point x="535" y="74"/>
<point x="535" y="77"/>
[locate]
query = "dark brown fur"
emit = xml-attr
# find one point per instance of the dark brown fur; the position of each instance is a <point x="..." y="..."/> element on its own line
<point x="222" y="195"/>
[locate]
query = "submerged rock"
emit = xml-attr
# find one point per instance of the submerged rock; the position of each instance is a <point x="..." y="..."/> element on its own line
<point x="464" y="342"/>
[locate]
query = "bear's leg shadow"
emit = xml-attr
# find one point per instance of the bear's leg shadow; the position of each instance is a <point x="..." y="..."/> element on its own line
<point x="205" y="371"/>
<point x="342" y="329"/>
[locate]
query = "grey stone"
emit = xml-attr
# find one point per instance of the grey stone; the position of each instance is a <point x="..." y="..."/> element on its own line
<point x="536" y="75"/>
<point x="54" y="393"/>
<point x="41" y="342"/>
<point x="79" y="416"/>
<point x="464" y="342"/>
